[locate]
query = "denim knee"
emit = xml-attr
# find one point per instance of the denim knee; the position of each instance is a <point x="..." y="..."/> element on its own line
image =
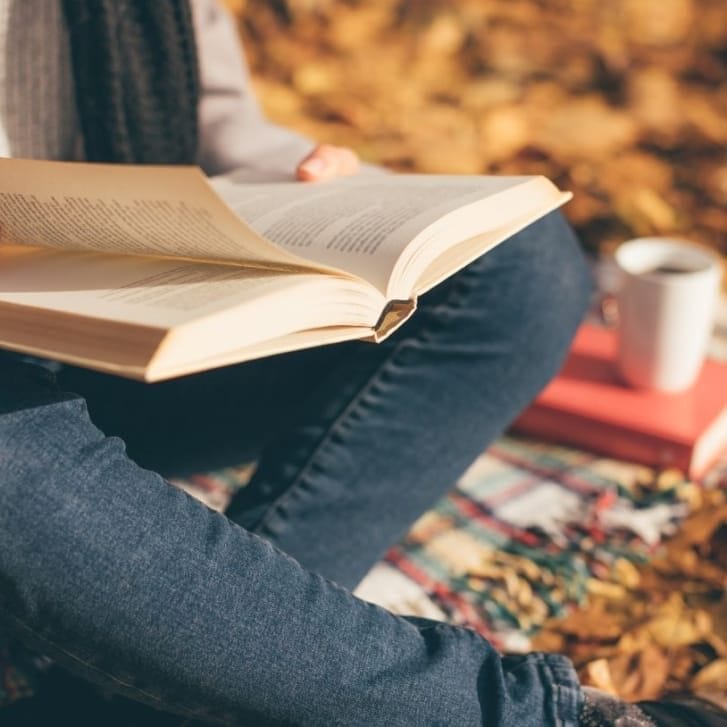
<point x="536" y="281"/>
<point x="565" y="264"/>
<point x="559" y="269"/>
<point x="551" y="289"/>
<point x="518" y="306"/>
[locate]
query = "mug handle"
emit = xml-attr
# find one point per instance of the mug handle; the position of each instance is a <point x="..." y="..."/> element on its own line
<point x="607" y="310"/>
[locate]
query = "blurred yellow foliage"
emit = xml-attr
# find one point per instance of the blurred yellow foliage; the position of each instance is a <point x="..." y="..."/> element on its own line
<point x="574" y="89"/>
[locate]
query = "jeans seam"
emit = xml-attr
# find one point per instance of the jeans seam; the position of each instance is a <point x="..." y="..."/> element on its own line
<point x="454" y="300"/>
<point x="558" y="690"/>
<point x="302" y="474"/>
<point x="552" y="689"/>
<point x="187" y="712"/>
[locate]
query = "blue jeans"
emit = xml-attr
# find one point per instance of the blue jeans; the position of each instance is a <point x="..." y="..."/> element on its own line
<point x="248" y="618"/>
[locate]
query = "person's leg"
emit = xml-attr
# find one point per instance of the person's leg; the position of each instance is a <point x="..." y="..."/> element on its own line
<point x="391" y="427"/>
<point x="361" y="439"/>
<point x="136" y="586"/>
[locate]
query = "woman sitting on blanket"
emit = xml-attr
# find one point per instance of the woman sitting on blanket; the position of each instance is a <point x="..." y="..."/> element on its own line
<point x="248" y="617"/>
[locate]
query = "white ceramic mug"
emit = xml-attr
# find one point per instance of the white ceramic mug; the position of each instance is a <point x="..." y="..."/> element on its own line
<point x="667" y="299"/>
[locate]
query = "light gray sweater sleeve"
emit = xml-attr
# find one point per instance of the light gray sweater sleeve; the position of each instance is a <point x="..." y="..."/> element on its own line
<point x="234" y="132"/>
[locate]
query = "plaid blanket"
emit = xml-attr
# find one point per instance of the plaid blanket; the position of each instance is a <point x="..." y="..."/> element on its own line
<point x="524" y="536"/>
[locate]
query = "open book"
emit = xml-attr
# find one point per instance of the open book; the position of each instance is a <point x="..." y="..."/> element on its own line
<point x="153" y="272"/>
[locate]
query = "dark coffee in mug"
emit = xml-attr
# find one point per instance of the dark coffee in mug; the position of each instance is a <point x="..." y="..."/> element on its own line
<point x="668" y="269"/>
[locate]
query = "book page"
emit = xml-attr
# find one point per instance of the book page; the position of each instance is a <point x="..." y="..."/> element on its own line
<point x="125" y="314"/>
<point x="433" y="266"/>
<point x="125" y="209"/>
<point x="146" y="291"/>
<point x="166" y="293"/>
<point x="359" y="224"/>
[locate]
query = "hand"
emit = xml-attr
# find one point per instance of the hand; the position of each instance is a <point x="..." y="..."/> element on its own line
<point x="326" y="162"/>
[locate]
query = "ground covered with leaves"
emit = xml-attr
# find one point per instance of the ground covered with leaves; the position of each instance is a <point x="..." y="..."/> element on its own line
<point x="623" y="102"/>
<point x="662" y="626"/>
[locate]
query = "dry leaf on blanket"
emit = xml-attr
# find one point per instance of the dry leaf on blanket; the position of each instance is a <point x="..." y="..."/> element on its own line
<point x="711" y="677"/>
<point x="665" y="626"/>
<point x="640" y="675"/>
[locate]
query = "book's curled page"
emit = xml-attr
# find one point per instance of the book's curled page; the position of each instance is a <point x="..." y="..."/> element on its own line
<point x="128" y="210"/>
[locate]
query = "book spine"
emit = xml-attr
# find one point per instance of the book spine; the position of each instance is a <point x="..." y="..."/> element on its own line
<point x="394" y="315"/>
<point x="603" y="438"/>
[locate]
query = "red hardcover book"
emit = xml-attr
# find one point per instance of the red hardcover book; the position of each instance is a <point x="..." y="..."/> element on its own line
<point x="587" y="405"/>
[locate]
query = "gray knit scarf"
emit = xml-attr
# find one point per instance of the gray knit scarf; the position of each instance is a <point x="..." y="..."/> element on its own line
<point x="136" y="79"/>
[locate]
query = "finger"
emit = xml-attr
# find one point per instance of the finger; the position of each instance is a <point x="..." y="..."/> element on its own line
<point x="321" y="163"/>
<point x="348" y="162"/>
<point x="327" y="161"/>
